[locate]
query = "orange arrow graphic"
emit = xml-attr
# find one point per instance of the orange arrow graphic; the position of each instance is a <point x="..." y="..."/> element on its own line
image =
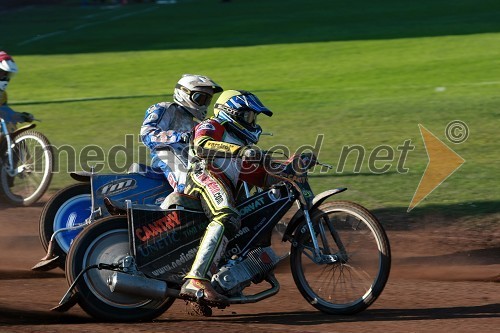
<point x="443" y="162"/>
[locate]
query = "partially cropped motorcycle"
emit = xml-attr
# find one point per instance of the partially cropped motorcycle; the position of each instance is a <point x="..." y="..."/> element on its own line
<point x="26" y="164"/>
<point x="72" y="208"/>
<point x="130" y="266"/>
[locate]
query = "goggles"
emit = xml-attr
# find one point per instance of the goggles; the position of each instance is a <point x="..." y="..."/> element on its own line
<point x="250" y="117"/>
<point x="200" y="98"/>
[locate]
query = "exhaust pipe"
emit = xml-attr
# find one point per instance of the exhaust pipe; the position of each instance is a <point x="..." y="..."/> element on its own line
<point x="244" y="299"/>
<point x="142" y="286"/>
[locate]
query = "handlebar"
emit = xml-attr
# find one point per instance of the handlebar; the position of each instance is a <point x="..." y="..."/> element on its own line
<point x="325" y="165"/>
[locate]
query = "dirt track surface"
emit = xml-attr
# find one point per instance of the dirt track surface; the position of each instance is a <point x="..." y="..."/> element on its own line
<point x="444" y="279"/>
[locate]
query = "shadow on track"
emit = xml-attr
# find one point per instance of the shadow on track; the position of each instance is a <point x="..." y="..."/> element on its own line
<point x="12" y="316"/>
<point x="28" y="274"/>
<point x="317" y="318"/>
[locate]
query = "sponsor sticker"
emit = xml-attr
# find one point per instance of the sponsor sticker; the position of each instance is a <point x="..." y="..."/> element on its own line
<point x="252" y="206"/>
<point x="116" y="186"/>
<point x="213" y="187"/>
<point x="206" y="126"/>
<point x="179" y="262"/>
<point x="153" y="229"/>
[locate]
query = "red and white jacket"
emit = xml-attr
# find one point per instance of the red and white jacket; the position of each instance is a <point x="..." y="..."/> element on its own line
<point x="220" y="149"/>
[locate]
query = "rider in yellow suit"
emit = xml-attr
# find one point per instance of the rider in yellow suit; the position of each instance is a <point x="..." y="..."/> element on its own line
<point x="219" y="146"/>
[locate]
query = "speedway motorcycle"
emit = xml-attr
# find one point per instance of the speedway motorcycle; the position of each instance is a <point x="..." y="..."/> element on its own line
<point x="130" y="266"/>
<point x="71" y="209"/>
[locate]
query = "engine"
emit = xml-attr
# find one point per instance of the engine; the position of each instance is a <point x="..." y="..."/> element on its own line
<point x="238" y="274"/>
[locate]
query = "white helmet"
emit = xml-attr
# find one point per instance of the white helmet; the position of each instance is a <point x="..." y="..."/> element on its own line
<point x="195" y="92"/>
<point x="7" y="68"/>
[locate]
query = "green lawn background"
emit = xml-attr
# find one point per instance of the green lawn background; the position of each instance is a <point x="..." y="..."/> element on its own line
<point x="360" y="73"/>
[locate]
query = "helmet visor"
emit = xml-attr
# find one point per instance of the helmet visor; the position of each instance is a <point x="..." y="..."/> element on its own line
<point x="250" y="117"/>
<point x="200" y="98"/>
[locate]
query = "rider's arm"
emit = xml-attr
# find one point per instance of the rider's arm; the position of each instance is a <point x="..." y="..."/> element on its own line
<point x="11" y="116"/>
<point x="255" y="174"/>
<point x="208" y="142"/>
<point x="208" y="137"/>
<point x="159" y="117"/>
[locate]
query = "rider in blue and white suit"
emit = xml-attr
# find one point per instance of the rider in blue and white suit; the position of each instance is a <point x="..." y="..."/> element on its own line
<point x="170" y="123"/>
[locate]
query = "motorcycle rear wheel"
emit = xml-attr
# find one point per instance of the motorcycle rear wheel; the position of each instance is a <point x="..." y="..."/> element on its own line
<point x="358" y="277"/>
<point x="106" y="241"/>
<point x="34" y="161"/>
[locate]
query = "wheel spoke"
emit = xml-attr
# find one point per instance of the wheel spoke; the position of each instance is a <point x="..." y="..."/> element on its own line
<point x="360" y="272"/>
<point x="32" y="169"/>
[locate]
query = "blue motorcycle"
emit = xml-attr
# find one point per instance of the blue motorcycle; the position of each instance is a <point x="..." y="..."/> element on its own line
<point x="76" y="206"/>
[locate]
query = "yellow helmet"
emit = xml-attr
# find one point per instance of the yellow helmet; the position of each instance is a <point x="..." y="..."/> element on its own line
<point x="238" y="109"/>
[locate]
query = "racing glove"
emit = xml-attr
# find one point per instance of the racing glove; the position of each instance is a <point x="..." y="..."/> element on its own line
<point x="26" y="117"/>
<point x="184" y="137"/>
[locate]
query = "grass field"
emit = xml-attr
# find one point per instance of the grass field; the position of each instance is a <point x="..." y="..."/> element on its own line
<point x="361" y="73"/>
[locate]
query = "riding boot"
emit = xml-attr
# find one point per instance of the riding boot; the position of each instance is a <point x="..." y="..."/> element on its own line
<point x="197" y="285"/>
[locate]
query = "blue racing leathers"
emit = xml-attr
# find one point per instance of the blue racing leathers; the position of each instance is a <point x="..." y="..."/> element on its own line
<point x="168" y="125"/>
<point x="10" y="116"/>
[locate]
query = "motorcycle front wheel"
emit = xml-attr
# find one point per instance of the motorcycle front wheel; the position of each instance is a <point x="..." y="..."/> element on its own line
<point x="354" y="262"/>
<point x="106" y="241"/>
<point x="31" y="172"/>
<point x="69" y="207"/>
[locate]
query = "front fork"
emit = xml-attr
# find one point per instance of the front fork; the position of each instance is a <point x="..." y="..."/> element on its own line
<point x="10" y="169"/>
<point x="324" y="255"/>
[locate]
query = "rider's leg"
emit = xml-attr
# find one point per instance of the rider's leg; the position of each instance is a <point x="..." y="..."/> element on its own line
<point x="174" y="169"/>
<point x="209" y="253"/>
<point x="218" y="204"/>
